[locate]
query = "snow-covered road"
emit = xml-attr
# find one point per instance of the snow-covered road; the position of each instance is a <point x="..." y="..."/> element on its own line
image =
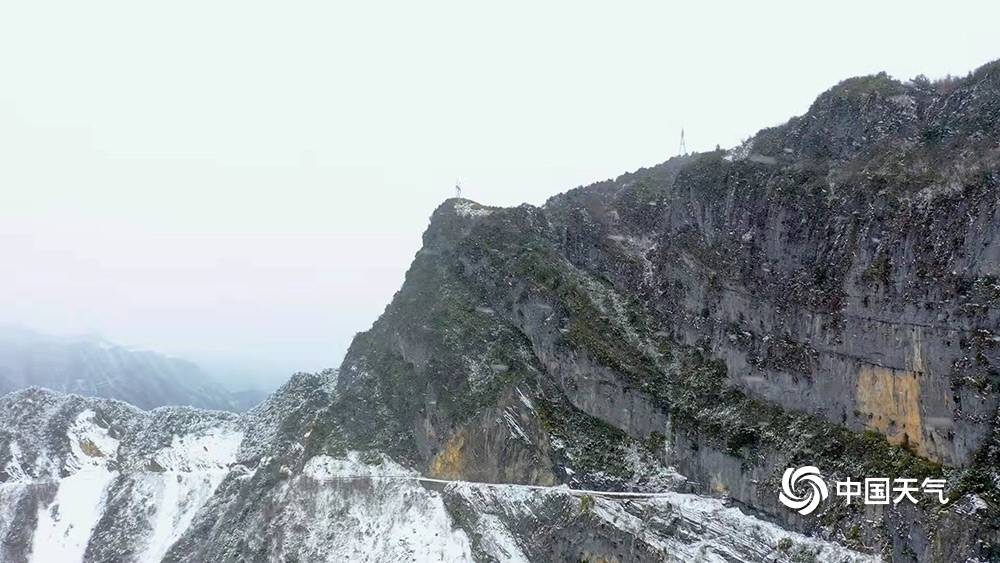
<point x="438" y="484"/>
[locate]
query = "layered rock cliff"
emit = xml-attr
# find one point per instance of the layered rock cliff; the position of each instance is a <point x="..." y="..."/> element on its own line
<point x="825" y="294"/>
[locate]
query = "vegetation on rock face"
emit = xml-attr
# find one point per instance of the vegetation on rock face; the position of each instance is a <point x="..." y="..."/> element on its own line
<point x="374" y="412"/>
<point x="437" y="354"/>
<point x="598" y="454"/>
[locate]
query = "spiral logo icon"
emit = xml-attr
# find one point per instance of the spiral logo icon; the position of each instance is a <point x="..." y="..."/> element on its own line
<point x="807" y="502"/>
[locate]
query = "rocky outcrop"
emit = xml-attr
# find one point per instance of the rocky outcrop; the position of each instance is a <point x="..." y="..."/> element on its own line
<point x="825" y="294"/>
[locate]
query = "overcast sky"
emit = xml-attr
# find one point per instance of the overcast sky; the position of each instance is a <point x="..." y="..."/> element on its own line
<point x="245" y="183"/>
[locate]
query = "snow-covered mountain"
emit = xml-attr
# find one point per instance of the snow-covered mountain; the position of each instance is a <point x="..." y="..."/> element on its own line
<point x="92" y="366"/>
<point x="97" y="480"/>
<point x="622" y="374"/>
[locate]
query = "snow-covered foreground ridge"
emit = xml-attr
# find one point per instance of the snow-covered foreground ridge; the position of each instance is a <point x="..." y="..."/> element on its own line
<point x="92" y="480"/>
<point x="705" y="529"/>
<point x="89" y="479"/>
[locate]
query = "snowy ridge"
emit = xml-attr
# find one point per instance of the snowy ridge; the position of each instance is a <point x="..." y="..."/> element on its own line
<point x="15" y="472"/>
<point x="397" y="510"/>
<point x="96" y="470"/>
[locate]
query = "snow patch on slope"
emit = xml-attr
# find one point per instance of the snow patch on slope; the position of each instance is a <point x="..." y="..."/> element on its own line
<point x="173" y="498"/>
<point x="15" y="472"/>
<point x="352" y="511"/>
<point x="86" y="479"/>
<point x="723" y="533"/>
<point x="467" y="208"/>
<point x="214" y="449"/>
<point x="65" y="525"/>
<point x="326" y="468"/>
<point x="497" y="540"/>
<point x="679" y="527"/>
<point x="193" y="467"/>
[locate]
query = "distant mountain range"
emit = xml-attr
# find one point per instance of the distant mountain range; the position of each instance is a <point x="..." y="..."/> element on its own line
<point x="92" y="366"/>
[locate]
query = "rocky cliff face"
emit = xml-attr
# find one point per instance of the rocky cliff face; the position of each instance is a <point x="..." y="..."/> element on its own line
<point x="825" y="294"/>
<point x="844" y="264"/>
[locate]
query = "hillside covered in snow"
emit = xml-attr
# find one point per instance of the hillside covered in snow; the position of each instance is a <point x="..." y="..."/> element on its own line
<point x="100" y="481"/>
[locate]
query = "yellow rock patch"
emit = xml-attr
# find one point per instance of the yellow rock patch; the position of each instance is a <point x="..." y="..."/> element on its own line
<point x="890" y="401"/>
<point x="90" y="448"/>
<point x="450" y="462"/>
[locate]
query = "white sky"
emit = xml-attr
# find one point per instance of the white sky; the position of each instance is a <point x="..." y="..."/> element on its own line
<point x="245" y="183"/>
